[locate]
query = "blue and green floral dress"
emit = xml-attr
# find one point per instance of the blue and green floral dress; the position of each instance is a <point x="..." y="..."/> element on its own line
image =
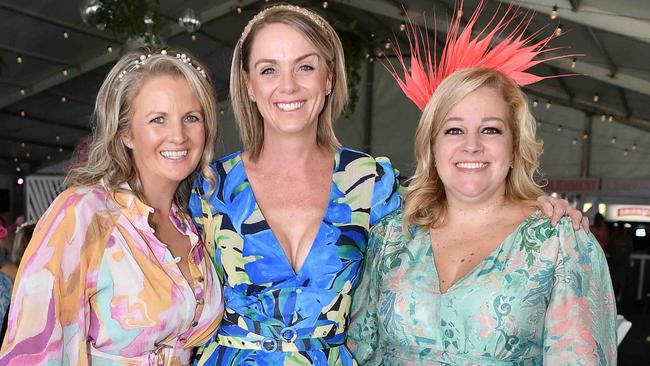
<point x="542" y="297"/>
<point x="275" y="316"/>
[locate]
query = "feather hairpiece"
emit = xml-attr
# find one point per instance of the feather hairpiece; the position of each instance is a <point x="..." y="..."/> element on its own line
<point x="512" y="55"/>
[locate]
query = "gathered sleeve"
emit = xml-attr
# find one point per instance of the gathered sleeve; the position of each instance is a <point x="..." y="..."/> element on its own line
<point x="386" y="194"/>
<point x="580" y="322"/>
<point x="49" y="313"/>
<point x="363" y="333"/>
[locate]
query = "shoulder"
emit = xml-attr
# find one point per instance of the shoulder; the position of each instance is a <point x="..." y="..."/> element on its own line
<point x="82" y="199"/>
<point x="390" y="223"/>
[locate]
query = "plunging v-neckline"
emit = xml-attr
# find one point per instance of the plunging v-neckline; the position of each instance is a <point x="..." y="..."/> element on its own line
<point x="276" y="243"/>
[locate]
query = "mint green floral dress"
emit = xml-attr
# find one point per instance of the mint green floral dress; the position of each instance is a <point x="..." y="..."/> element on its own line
<point x="542" y="297"/>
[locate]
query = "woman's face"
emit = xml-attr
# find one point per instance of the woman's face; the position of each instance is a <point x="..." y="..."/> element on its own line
<point x="288" y="79"/>
<point x="166" y="132"/>
<point x="473" y="150"/>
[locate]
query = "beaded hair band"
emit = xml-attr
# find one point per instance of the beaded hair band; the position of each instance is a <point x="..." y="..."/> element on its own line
<point x="142" y="60"/>
<point x="317" y="19"/>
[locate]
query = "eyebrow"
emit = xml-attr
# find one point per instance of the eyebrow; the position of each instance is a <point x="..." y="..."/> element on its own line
<point x="165" y="114"/>
<point x="272" y="61"/>
<point x="484" y="119"/>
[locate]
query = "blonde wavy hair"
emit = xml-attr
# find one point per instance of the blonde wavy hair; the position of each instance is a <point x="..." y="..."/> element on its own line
<point x="425" y="202"/>
<point x="324" y="38"/>
<point x="108" y="161"/>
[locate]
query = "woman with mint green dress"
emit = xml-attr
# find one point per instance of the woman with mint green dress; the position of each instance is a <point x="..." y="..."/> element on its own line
<point x="469" y="272"/>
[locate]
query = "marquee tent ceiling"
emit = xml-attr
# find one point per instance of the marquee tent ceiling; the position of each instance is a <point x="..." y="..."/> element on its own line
<point x="43" y="112"/>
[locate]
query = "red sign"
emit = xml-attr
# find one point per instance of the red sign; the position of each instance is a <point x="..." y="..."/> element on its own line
<point x="633" y="211"/>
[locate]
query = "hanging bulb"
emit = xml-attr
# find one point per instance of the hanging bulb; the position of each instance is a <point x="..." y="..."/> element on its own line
<point x="23" y="114"/>
<point x="554" y="12"/>
<point x="633" y="146"/>
<point x="402" y="26"/>
<point x="65" y="72"/>
<point x="239" y="10"/>
<point x="387" y="45"/>
<point x="610" y="119"/>
<point x="63" y="100"/>
<point x="558" y="30"/>
<point x="574" y="141"/>
<point x="596" y="98"/>
<point x="66" y="35"/>
<point x="23" y="91"/>
<point x="573" y="63"/>
<point x="603" y="117"/>
<point x="613" y="140"/>
<point x="625" y="152"/>
<point x="193" y="37"/>
<point x="109" y="49"/>
<point x="548" y="104"/>
<point x="535" y="103"/>
<point x="19" y="59"/>
<point x="539" y="124"/>
<point x="325" y="4"/>
<point x="585" y="136"/>
<point x="559" y="128"/>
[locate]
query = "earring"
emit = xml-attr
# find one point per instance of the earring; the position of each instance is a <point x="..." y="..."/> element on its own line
<point x="512" y="164"/>
<point x="128" y="144"/>
<point x="251" y="98"/>
<point x="328" y="92"/>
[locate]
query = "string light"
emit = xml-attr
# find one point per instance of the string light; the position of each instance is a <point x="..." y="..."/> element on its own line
<point x="49" y="157"/>
<point x="23" y="114"/>
<point x="613" y="140"/>
<point x="371" y="59"/>
<point x="574" y="141"/>
<point x="585" y="136"/>
<point x="539" y="123"/>
<point x="535" y="103"/>
<point x="367" y="55"/>
<point x="109" y="49"/>
<point x="402" y="26"/>
<point x="239" y="10"/>
<point x="625" y="152"/>
<point x="596" y="98"/>
<point x="325" y="4"/>
<point x="559" y="128"/>
<point x="58" y="138"/>
<point x="603" y="117"/>
<point x="558" y="30"/>
<point x="60" y="149"/>
<point x="633" y="146"/>
<point x="548" y="104"/>
<point x="27" y="155"/>
<point x="23" y="91"/>
<point x="19" y="59"/>
<point x="63" y="99"/>
<point x="554" y="12"/>
<point x="193" y="37"/>
<point x="66" y="35"/>
<point x="17" y="168"/>
<point x="387" y="45"/>
<point x="610" y="119"/>
<point x="65" y="72"/>
<point x="22" y="144"/>
<point x="573" y="63"/>
<point x="15" y="160"/>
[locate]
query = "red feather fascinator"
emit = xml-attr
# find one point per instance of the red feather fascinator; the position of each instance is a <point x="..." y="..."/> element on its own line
<point x="511" y="54"/>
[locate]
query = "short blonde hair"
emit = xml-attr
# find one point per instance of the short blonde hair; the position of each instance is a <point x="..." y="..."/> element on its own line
<point x="425" y="199"/>
<point x="324" y="38"/>
<point x="109" y="162"/>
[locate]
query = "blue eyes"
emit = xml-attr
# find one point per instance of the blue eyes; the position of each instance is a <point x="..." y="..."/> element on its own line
<point x="271" y="71"/>
<point x="190" y="118"/>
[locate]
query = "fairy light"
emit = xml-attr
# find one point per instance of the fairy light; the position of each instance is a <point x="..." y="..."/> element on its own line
<point x="23" y="91"/>
<point x="387" y="45"/>
<point x="596" y="98"/>
<point x="603" y="117"/>
<point x="558" y="30"/>
<point x="633" y="146"/>
<point x="63" y="99"/>
<point x="548" y="104"/>
<point x="626" y="152"/>
<point x="573" y="63"/>
<point x="23" y="114"/>
<point x="554" y="12"/>
<point x="371" y="59"/>
<point x="19" y="59"/>
<point x="66" y="35"/>
<point x="610" y="119"/>
<point x="239" y="10"/>
<point x="585" y="136"/>
<point x="109" y="49"/>
<point x="613" y="140"/>
<point x="535" y="103"/>
<point x="193" y="37"/>
<point x="65" y="72"/>
<point x="574" y="141"/>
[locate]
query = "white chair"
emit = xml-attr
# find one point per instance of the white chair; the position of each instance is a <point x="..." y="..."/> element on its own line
<point x="622" y="327"/>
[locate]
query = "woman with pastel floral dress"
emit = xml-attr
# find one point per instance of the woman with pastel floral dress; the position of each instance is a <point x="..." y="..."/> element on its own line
<point x="470" y="273"/>
<point x="116" y="273"/>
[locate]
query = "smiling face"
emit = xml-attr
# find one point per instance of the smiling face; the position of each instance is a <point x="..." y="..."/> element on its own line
<point x="166" y="132"/>
<point x="474" y="149"/>
<point x="288" y="79"/>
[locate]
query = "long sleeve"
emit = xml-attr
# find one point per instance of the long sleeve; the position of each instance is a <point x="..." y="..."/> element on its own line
<point x="49" y="314"/>
<point x="363" y="334"/>
<point x="580" y="323"/>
